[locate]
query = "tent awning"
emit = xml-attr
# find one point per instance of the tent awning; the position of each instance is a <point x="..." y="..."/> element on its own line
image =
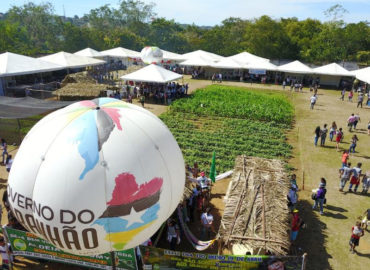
<point x="152" y="73"/>
<point x="332" y="69"/>
<point x="121" y="53"/>
<point x="228" y="63"/>
<point x="212" y="57"/>
<point x="198" y="62"/>
<point x="295" y="67"/>
<point x="88" y="52"/>
<point x="12" y="64"/>
<point x="69" y="60"/>
<point x="246" y="58"/>
<point x="13" y="108"/>
<point x="362" y="74"/>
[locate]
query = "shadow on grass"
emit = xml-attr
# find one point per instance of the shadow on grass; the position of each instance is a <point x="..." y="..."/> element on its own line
<point x="312" y="239"/>
<point x="335" y="208"/>
<point x="362" y="254"/>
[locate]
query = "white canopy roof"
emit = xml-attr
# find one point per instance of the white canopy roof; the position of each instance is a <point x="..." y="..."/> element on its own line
<point x="121" y="52"/>
<point x="205" y="55"/>
<point x="15" y="64"/>
<point x="198" y="62"/>
<point x="295" y="67"/>
<point x="228" y="63"/>
<point x="332" y="69"/>
<point x="88" y="52"/>
<point x="152" y="73"/>
<point x="172" y="56"/>
<point x="246" y="57"/>
<point x="69" y="60"/>
<point x="362" y="74"/>
<point x="263" y="65"/>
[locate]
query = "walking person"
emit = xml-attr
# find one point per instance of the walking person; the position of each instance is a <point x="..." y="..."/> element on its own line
<point x="332" y="131"/>
<point x="354" y="141"/>
<point x="323" y="133"/>
<point x="320" y="197"/>
<point x="357" y="232"/>
<point x="344" y="174"/>
<point x="313" y="100"/>
<point x="355" y="179"/>
<point x="4" y="147"/>
<point x="317" y="134"/>
<point x="142" y="100"/>
<point x="343" y="93"/>
<point x="350" y="122"/>
<point x="8" y="163"/>
<point x="292" y="198"/>
<point x="356" y="120"/>
<point x="350" y="95"/>
<point x="339" y="137"/>
<point x="173" y="233"/>
<point x="345" y="157"/>
<point x="360" y="99"/>
<point x="207" y="224"/>
<point x="296" y="225"/>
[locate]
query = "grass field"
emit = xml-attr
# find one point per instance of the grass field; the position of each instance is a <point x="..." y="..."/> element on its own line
<point x="230" y="121"/>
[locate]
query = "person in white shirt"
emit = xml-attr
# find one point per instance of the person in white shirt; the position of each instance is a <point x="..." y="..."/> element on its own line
<point x="313" y="101"/>
<point x="207" y="224"/>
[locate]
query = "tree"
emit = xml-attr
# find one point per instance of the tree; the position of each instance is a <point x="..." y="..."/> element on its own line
<point x="43" y="27"/>
<point x="267" y="38"/>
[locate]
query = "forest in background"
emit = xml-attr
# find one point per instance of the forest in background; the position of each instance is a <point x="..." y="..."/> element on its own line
<point x="34" y="30"/>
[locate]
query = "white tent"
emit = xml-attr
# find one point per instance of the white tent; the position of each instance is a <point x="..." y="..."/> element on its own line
<point x="228" y="63"/>
<point x="172" y="56"/>
<point x="332" y="69"/>
<point x="295" y="67"/>
<point x="261" y="65"/>
<point x="15" y="64"/>
<point x="68" y="60"/>
<point x="362" y="74"/>
<point x="203" y="54"/>
<point x="88" y="52"/>
<point x="198" y="62"/>
<point x="246" y="58"/>
<point x="121" y="53"/>
<point x="152" y="73"/>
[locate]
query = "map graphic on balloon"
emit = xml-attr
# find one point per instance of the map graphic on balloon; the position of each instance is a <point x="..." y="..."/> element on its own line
<point x="96" y="176"/>
<point x="151" y="55"/>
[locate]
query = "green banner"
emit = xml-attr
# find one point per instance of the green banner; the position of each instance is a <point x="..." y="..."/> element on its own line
<point x="28" y="245"/>
<point x="156" y="258"/>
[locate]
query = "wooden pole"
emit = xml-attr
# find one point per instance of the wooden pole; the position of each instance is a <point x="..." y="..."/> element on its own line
<point x="263" y="213"/>
<point x="113" y="257"/>
<point x="255" y="238"/>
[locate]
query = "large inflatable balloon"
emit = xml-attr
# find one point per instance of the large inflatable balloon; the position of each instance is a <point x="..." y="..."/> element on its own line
<point x="151" y="55"/>
<point x="96" y="176"/>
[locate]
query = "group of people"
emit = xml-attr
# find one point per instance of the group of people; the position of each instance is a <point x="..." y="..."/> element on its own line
<point x="196" y="207"/>
<point x="7" y="158"/>
<point x="353" y="175"/>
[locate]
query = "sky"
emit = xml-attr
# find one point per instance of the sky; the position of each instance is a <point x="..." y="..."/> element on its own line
<point x="213" y="12"/>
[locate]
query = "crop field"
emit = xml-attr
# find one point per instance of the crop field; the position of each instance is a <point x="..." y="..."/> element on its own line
<point x="231" y="121"/>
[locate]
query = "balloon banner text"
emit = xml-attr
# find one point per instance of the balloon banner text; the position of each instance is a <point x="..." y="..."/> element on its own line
<point x="28" y="245"/>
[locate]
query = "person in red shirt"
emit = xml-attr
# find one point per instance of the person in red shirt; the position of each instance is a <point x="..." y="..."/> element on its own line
<point x="345" y="158"/>
<point x="357" y="232"/>
<point x="296" y="224"/>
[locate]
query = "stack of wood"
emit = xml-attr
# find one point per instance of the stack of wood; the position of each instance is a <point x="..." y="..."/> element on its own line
<point x="256" y="215"/>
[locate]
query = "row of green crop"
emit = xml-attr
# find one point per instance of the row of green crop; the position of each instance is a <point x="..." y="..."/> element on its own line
<point x="235" y="102"/>
<point x="232" y="122"/>
<point x="233" y="137"/>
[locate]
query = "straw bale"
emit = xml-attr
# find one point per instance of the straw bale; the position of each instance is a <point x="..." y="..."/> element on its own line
<point x="257" y="206"/>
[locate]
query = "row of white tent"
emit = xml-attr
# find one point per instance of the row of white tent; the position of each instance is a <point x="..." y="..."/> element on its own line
<point x="15" y="64"/>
